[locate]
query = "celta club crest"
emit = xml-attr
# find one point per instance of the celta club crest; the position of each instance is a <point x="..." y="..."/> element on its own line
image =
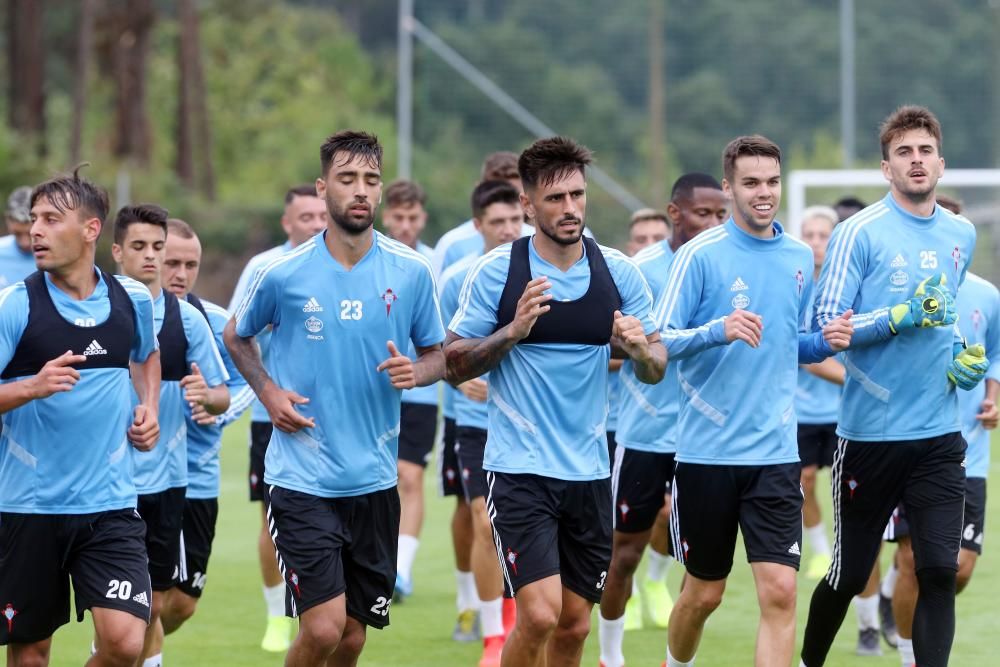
<point x="388" y="297"/>
<point x="294" y="579"/>
<point x="957" y="256"/>
<point x="800" y="280"/>
<point x="9" y="613"/>
<point x="977" y="318"/>
<point x="852" y="486"/>
<point x="512" y="559"/>
<point x="624" y="508"/>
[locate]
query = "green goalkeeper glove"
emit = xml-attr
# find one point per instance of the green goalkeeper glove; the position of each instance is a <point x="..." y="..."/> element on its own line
<point x="930" y="306"/>
<point x="969" y="366"/>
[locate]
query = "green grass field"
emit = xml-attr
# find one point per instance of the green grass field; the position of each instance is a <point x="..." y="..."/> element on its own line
<point x="227" y="628"/>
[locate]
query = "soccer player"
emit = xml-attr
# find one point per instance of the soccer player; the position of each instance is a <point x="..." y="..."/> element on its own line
<point x="497" y="212"/>
<point x="646" y="227"/>
<point x="848" y="206"/>
<point x="304" y="216"/>
<point x="16" y="259"/>
<point x="538" y="314"/>
<point x="69" y="336"/>
<point x="643" y="463"/>
<point x="404" y="218"/>
<point x="737" y="459"/>
<point x="899" y="427"/>
<point x="191" y="371"/>
<point x="181" y="264"/>
<point x="340" y="306"/>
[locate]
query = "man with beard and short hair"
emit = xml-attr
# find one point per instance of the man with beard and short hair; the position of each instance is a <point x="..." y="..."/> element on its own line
<point x="340" y="307"/>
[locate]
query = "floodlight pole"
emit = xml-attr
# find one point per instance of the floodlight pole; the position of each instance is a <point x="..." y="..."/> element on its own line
<point x="404" y="90"/>
<point x="847" y="81"/>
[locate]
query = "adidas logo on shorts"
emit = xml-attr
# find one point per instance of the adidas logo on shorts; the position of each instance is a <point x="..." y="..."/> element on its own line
<point x="738" y="285"/>
<point x="141" y="598"/>
<point x="312" y="306"/>
<point x="794" y="549"/>
<point x="94" y="349"/>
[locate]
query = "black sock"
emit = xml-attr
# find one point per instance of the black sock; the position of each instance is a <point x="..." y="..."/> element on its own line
<point x="826" y="614"/>
<point x="934" y="618"/>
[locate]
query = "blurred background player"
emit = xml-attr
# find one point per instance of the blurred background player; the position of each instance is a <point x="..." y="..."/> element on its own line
<point x="191" y="372"/>
<point x="16" y="259"/>
<point x="404" y="218"/>
<point x="643" y="463"/>
<point x="181" y="264"/>
<point x="848" y="206"/>
<point x="303" y="217"/>
<point x="498" y="216"/>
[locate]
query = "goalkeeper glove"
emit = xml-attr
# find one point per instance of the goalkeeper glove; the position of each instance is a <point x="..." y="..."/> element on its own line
<point x="969" y="366"/>
<point x="930" y="306"/>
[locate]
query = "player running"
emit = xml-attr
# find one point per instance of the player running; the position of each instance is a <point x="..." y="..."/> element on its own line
<point x="538" y="315"/>
<point x="340" y="307"/>
<point x="69" y="337"/>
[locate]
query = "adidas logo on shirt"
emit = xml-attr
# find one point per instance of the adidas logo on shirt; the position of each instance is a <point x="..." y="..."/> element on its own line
<point x="794" y="549"/>
<point x="898" y="262"/>
<point x="738" y="286"/>
<point x="94" y="349"/>
<point x="312" y="306"/>
<point x="141" y="598"/>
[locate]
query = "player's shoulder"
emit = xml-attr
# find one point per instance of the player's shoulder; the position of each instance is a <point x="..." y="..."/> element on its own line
<point x="797" y="246"/>
<point x="960" y="222"/>
<point x="7" y="244"/>
<point x="981" y="285"/>
<point x="401" y="255"/>
<point x="464" y="231"/>
<point x="618" y="262"/>
<point x="651" y="254"/>
<point x="136" y="290"/>
<point x="189" y="311"/>
<point x="866" y="221"/>
<point x="493" y="264"/>
<point x="706" y="244"/>
<point x="281" y="264"/>
<point x="214" y="309"/>
<point x="13" y="294"/>
<point x="457" y="272"/>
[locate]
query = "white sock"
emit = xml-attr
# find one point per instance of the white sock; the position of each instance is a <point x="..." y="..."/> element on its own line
<point x="407" y="553"/>
<point x="611" y="634"/>
<point x="154" y="661"/>
<point x="888" y="586"/>
<point x="674" y="662"/>
<point x="657" y="564"/>
<point x="491" y="617"/>
<point x="905" y="648"/>
<point x="466" y="599"/>
<point x="274" y="598"/>
<point x="867" y="611"/>
<point x="93" y="648"/>
<point x="818" y="541"/>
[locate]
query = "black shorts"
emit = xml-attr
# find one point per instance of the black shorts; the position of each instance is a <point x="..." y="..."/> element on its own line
<point x="451" y="484"/>
<point x="329" y="546"/>
<point x="417" y="426"/>
<point x="612" y="445"/>
<point x="709" y="503"/>
<point x="163" y="513"/>
<point x="869" y="479"/>
<point x="200" y="515"/>
<point x="639" y="481"/>
<point x="103" y="554"/>
<point x="974" y="523"/>
<point x="470" y="448"/>
<point x="544" y="526"/>
<point x="817" y="443"/>
<point x="260" y="436"/>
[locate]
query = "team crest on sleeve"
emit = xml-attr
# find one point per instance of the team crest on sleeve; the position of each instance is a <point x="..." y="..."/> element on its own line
<point x="388" y="297"/>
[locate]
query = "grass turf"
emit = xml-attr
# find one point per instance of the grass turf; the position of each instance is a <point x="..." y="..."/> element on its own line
<point x="229" y="623"/>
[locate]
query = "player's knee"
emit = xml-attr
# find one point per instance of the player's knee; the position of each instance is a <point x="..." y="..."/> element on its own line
<point x="573" y="630"/>
<point x="322" y="634"/>
<point x="539" y="621"/>
<point x="704" y="599"/>
<point x="29" y="655"/>
<point x="808" y="478"/>
<point x="121" y="649"/>
<point x="966" y="565"/>
<point x="352" y="642"/>
<point x="625" y="559"/>
<point x="778" y="593"/>
<point x="181" y="608"/>
<point x="937" y="583"/>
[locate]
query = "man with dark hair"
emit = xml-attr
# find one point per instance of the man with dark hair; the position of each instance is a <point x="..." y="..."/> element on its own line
<point x="304" y="216"/>
<point x="181" y="264"/>
<point x="899" y="428"/>
<point x="848" y="206"/>
<point x="404" y="218"/>
<point x="737" y="457"/>
<point x="342" y="299"/>
<point x="643" y="463"/>
<point x="192" y="372"/>
<point x="497" y="212"/>
<point x="69" y="337"/>
<point x="539" y="315"/>
<point x="16" y="259"/>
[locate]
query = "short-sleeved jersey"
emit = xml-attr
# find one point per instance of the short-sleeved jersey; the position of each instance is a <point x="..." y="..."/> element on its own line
<point x="978" y="305"/>
<point x="422" y="395"/>
<point x="69" y="453"/>
<point x="330" y="327"/>
<point x="548" y="402"/>
<point x="257" y="411"/>
<point x="166" y="466"/>
<point x="204" y="442"/>
<point x="647" y="414"/>
<point x="817" y="401"/>
<point x="614" y="399"/>
<point x="466" y="412"/>
<point x="15" y="264"/>
<point x="876" y="258"/>
<point x="737" y="407"/>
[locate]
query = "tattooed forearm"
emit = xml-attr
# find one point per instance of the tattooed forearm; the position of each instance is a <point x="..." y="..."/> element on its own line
<point x="246" y="356"/>
<point x="468" y="358"/>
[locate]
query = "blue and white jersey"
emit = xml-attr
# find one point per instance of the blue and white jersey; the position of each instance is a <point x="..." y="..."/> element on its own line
<point x="204" y="442"/>
<point x="647" y="418"/>
<point x="257" y="411"/>
<point x="548" y="401"/>
<point x="896" y="386"/>
<point x="15" y="264"/>
<point x="979" y="321"/>
<point x="454" y="245"/>
<point x="467" y="412"/>
<point x="330" y="327"/>
<point x="738" y="401"/>
<point x="614" y="399"/>
<point x="817" y="401"/>
<point x="166" y="465"/>
<point x="68" y="453"/>
<point x="421" y="395"/>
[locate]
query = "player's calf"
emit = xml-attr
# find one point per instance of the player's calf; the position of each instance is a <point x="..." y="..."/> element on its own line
<point x="178" y="607"/>
<point x="35" y="654"/>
